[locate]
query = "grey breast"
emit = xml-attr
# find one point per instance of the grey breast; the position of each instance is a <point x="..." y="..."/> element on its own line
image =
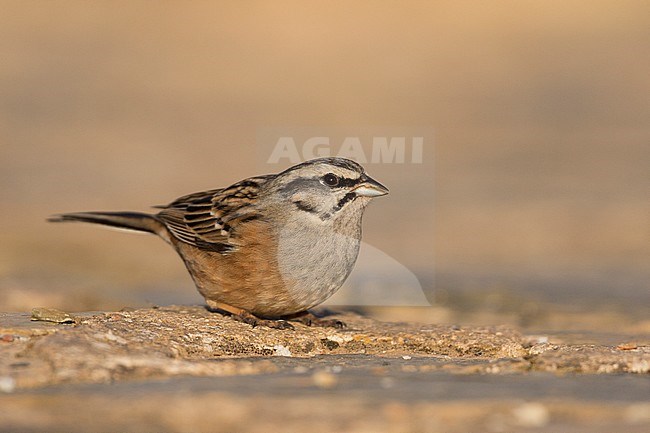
<point x="314" y="260"/>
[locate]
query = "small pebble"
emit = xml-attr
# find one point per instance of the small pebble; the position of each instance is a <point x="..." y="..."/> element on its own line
<point x="51" y="315"/>
<point x="537" y="339"/>
<point x="324" y="380"/>
<point x="627" y="346"/>
<point x="639" y="366"/>
<point x="531" y="415"/>
<point x="406" y="357"/>
<point x="280" y="350"/>
<point x="7" y="384"/>
<point x="336" y="338"/>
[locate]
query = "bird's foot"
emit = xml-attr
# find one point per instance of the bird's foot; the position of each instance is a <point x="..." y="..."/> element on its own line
<point x="255" y="321"/>
<point x="244" y="316"/>
<point x="310" y="319"/>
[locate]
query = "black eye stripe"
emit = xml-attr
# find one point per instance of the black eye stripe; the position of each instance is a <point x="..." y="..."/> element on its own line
<point x="344" y="182"/>
<point x="302" y="184"/>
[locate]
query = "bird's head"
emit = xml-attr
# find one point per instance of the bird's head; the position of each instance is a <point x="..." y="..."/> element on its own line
<point x="327" y="187"/>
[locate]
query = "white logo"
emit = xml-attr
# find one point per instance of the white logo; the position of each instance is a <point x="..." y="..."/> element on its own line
<point x="383" y="150"/>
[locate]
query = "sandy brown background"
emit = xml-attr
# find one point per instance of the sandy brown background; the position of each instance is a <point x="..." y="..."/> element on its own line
<point x="540" y="112"/>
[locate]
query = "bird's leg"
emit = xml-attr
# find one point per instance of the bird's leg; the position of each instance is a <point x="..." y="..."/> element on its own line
<point x="244" y="316"/>
<point x="310" y="319"/>
<point x="254" y="321"/>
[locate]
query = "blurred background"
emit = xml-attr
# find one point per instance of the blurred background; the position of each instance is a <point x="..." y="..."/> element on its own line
<point x="534" y="209"/>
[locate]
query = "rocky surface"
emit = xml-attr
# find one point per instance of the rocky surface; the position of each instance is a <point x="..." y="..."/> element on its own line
<point x="187" y="369"/>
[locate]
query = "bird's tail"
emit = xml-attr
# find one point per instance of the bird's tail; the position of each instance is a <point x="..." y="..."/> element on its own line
<point x="137" y="221"/>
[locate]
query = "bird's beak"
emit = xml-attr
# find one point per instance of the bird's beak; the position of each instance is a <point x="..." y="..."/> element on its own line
<point x="369" y="187"/>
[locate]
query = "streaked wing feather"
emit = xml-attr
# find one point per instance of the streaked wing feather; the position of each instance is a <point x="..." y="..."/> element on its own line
<point x="209" y="220"/>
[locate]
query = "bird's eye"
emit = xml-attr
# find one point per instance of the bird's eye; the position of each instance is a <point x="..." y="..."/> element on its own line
<point x="331" y="179"/>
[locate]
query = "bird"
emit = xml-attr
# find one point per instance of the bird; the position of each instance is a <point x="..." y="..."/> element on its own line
<point x="266" y="249"/>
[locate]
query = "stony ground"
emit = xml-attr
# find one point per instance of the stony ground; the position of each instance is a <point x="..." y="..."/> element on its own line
<point x="187" y="369"/>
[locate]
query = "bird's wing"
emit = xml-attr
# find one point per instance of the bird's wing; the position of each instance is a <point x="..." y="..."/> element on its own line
<point x="209" y="219"/>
